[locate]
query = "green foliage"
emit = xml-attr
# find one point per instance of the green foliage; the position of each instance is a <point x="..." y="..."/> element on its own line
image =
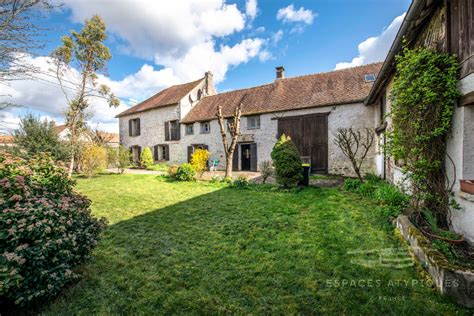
<point x="215" y="179"/>
<point x="287" y="162"/>
<point x="93" y="160"/>
<point x="199" y="160"/>
<point x="35" y="136"/>
<point x="422" y="105"/>
<point x="185" y="172"/>
<point x="118" y="157"/>
<point x="86" y="52"/>
<point x="392" y="201"/>
<point x="146" y="158"/>
<point x="242" y="182"/>
<point x="351" y="184"/>
<point x="266" y="170"/>
<point x="46" y="229"/>
<point x="172" y="171"/>
<point x="259" y="249"/>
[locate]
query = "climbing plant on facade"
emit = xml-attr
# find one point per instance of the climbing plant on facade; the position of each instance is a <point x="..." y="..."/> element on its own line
<point x="423" y="99"/>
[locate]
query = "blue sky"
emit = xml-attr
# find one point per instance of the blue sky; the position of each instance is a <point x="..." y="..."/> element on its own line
<point x="178" y="40"/>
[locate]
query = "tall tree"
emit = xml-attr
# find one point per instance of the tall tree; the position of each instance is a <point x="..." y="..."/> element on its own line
<point x="86" y="52"/>
<point x="35" y="136"/>
<point x="234" y="131"/>
<point x="19" y="35"/>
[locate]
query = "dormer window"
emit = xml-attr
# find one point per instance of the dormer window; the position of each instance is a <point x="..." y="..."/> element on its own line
<point x="369" y="78"/>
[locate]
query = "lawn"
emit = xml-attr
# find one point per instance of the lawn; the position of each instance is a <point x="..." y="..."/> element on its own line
<point x="204" y="248"/>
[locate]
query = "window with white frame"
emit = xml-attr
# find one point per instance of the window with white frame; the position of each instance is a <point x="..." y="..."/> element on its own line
<point x="253" y="122"/>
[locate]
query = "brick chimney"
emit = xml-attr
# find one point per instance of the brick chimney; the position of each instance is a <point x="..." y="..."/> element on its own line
<point x="280" y="72"/>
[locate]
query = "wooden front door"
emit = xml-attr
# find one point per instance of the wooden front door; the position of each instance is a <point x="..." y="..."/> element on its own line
<point x="248" y="157"/>
<point x="310" y="135"/>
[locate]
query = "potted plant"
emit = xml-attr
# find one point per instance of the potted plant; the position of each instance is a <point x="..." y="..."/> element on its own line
<point x="467" y="186"/>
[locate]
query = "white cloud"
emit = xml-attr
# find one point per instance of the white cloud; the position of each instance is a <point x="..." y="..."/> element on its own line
<point x="203" y="57"/>
<point x="375" y="48"/>
<point x="289" y="14"/>
<point x="251" y="9"/>
<point x="162" y="28"/>
<point x="179" y="36"/>
<point x="276" y="37"/>
<point x="43" y="95"/>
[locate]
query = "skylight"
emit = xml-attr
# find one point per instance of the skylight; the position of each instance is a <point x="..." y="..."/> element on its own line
<point x="369" y="78"/>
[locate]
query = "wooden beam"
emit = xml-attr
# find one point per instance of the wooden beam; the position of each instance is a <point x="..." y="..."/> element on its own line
<point x="467" y="99"/>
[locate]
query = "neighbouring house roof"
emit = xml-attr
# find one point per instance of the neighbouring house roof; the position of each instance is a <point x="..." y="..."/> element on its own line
<point x="110" y="137"/>
<point x="418" y="14"/>
<point x="331" y="88"/>
<point x="166" y="97"/>
<point x="6" y="139"/>
<point x="59" y="128"/>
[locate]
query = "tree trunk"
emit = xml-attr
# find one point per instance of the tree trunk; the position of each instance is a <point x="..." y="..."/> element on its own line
<point x="71" y="166"/>
<point x="228" y="166"/>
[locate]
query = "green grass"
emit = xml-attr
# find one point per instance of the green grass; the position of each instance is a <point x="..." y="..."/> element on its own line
<point x="204" y="248"/>
<point x="158" y="167"/>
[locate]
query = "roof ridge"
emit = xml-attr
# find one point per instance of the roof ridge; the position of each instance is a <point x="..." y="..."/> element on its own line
<point x="332" y="71"/>
<point x="296" y="77"/>
<point x="241" y="89"/>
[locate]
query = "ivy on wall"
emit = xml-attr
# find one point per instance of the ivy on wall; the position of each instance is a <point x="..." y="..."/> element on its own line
<point x="423" y="100"/>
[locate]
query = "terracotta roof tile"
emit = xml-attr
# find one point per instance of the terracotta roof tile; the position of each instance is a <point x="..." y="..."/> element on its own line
<point x="6" y="139"/>
<point x="330" y="88"/>
<point x="59" y="128"/>
<point x="110" y="137"/>
<point x="168" y="96"/>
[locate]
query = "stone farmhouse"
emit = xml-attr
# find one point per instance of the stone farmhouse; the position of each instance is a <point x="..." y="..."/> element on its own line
<point x="310" y="108"/>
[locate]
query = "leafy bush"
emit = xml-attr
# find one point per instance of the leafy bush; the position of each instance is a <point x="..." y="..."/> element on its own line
<point x="46" y="228"/>
<point x="123" y="160"/>
<point x="287" y="162"/>
<point x="266" y="170"/>
<point x="35" y="136"/>
<point x="372" y="177"/>
<point x="215" y="179"/>
<point x="172" y="171"/>
<point x="367" y="189"/>
<point x="185" y="172"/>
<point x="146" y="158"/>
<point x="392" y="200"/>
<point x="93" y="160"/>
<point x="352" y="184"/>
<point x="199" y="160"/>
<point x="118" y="157"/>
<point x="242" y="182"/>
<point x="391" y="195"/>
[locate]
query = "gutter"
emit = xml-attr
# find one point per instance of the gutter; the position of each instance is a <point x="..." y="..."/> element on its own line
<point x="413" y="10"/>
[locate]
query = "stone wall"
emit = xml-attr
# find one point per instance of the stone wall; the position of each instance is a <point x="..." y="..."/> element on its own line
<point x="152" y="133"/>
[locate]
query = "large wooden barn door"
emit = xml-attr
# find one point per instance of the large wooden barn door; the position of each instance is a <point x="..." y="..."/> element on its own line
<point x="310" y="135"/>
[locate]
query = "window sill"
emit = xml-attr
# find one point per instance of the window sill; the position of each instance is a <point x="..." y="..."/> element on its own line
<point x="252" y="128"/>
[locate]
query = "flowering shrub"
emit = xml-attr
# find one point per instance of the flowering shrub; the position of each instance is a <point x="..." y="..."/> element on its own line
<point x="46" y="228"/>
<point x="94" y="160"/>
<point x="199" y="161"/>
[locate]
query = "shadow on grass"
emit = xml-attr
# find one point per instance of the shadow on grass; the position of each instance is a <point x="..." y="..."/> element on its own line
<point x="248" y="251"/>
